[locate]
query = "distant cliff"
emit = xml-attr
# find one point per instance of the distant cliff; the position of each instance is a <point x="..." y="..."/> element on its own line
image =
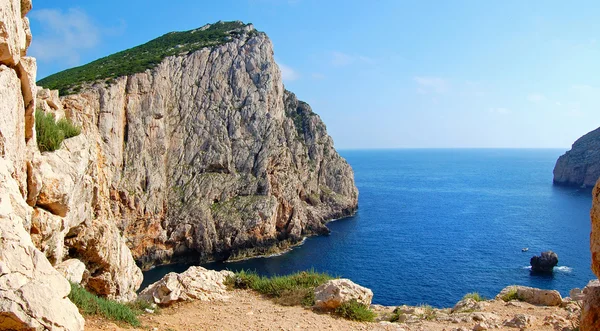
<point x="581" y="165"/>
<point x="202" y="155"/>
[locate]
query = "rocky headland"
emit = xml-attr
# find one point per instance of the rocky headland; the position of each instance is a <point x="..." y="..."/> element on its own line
<point x="581" y="165"/>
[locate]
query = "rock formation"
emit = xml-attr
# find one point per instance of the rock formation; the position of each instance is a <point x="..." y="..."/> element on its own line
<point x="33" y="295"/>
<point x="534" y="296"/>
<point x="203" y="157"/>
<point x="581" y="165"/>
<point x="544" y="263"/>
<point x="590" y="316"/>
<point x="335" y="292"/>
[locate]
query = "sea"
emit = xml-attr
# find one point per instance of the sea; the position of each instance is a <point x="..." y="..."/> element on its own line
<point x="435" y="224"/>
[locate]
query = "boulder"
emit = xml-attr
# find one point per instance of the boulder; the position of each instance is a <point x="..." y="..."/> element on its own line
<point x="544" y="263"/>
<point x="196" y="283"/>
<point x="590" y="314"/>
<point x="576" y="294"/>
<point x="72" y="270"/>
<point x="337" y="291"/>
<point x="534" y="296"/>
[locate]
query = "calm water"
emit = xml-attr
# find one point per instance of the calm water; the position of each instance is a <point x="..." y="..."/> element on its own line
<point x="435" y="224"/>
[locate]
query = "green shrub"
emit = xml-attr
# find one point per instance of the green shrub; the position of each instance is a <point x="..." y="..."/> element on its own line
<point x="50" y="133"/>
<point x="290" y="290"/>
<point x="356" y="311"/>
<point x="89" y="304"/>
<point x="510" y="295"/>
<point x="475" y="296"/>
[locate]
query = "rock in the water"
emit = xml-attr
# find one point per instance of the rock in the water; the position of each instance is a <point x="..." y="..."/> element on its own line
<point x="534" y="296"/>
<point x="544" y="263"/>
<point x="72" y="270"/>
<point x="196" y="283"/>
<point x="337" y="291"/>
<point x="581" y="165"/>
<point x="590" y="314"/>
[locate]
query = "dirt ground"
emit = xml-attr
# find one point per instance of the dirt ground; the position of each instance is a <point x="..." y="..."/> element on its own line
<point x="246" y="310"/>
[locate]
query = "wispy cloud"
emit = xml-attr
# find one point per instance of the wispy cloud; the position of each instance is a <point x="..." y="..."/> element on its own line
<point x="287" y="73"/>
<point x="499" y="110"/>
<point x="340" y="59"/>
<point x="430" y="84"/>
<point x="64" y="34"/>
<point x="536" y="97"/>
<point x="317" y="76"/>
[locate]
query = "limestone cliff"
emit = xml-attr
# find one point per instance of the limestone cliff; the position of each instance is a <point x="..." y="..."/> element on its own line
<point x="581" y="165"/>
<point x="204" y="156"/>
<point x="33" y="295"/>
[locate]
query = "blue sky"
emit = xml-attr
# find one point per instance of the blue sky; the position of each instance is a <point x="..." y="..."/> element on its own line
<point x="384" y="74"/>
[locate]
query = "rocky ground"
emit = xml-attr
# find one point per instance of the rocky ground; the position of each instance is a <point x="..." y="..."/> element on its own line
<point x="246" y="310"/>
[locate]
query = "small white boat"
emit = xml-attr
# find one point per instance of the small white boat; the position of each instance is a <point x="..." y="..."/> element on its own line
<point x="525" y="249"/>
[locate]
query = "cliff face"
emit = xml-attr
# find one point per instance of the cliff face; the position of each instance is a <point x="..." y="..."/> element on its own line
<point x="206" y="156"/>
<point x="581" y="165"/>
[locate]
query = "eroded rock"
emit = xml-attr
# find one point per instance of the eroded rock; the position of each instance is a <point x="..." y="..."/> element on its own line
<point x="590" y="314"/>
<point x="72" y="270"/>
<point x="196" y="283"/>
<point x="534" y="296"/>
<point x="337" y="291"/>
<point x="544" y="263"/>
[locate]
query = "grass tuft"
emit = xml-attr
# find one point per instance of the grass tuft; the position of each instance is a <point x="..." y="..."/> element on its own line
<point x="511" y="295"/>
<point x="50" y="134"/>
<point x="356" y="311"/>
<point x="475" y="296"/>
<point x="290" y="290"/>
<point x="90" y="304"/>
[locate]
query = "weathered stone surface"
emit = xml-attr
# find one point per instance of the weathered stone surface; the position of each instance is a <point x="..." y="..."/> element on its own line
<point x="14" y="31"/>
<point x="32" y="294"/>
<point x="581" y="165"/>
<point x="576" y="294"/>
<point x="48" y="234"/>
<point x="534" y="296"/>
<point x="72" y="270"/>
<point x="337" y="291"/>
<point x="196" y="283"/>
<point x="468" y="304"/>
<point x="595" y="232"/>
<point x="207" y="157"/>
<point x="544" y="263"/>
<point x="590" y="314"/>
<point x="519" y="321"/>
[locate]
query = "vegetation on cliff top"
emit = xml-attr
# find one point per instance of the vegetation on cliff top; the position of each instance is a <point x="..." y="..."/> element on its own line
<point x="142" y="57"/>
<point x="89" y="304"/>
<point x="51" y="133"/>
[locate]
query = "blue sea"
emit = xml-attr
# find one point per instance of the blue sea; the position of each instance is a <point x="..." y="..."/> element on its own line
<point x="435" y="224"/>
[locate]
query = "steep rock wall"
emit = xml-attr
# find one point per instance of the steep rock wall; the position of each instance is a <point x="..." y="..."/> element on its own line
<point x="581" y="165"/>
<point x="207" y="157"/>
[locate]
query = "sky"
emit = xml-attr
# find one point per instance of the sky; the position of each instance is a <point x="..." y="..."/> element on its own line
<point x="384" y="74"/>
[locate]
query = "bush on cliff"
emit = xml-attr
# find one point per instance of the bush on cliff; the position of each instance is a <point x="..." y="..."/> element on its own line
<point x="51" y="133"/>
<point x="89" y="304"/>
<point x="475" y="296"/>
<point x="356" y="311"/>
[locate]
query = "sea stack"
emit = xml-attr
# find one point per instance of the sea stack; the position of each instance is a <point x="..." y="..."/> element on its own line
<point x="544" y="263"/>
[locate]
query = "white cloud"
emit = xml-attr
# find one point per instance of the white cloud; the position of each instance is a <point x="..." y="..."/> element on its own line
<point x="429" y="84"/>
<point x="536" y="97"/>
<point x="340" y="59"/>
<point x="64" y="34"/>
<point x="499" y="110"/>
<point x="287" y="73"/>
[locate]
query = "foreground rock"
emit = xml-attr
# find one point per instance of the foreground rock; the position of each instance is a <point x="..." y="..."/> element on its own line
<point x="581" y="165"/>
<point x="196" y="283"/>
<point x="335" y="292"/>
<point x="595" y="233"/>
<point x="544" y="263"/>
<point x="534" y="296"/>
<point x="590" y="314"/>
<point x="72" y="270"/>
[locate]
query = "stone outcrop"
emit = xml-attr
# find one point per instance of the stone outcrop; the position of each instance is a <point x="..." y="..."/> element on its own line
<point x="534" y="296"/>
<point x="196" y="283"/>
<point x="335" y="292"/>
<point x="595" y="232"/>
<point x="73" y="270"/>
<point x="590" y="312"/>
<point x="544" y="263"/>
<point x="204" y="157"/>
<point x="581" y="165"/>
<point x="33" y="295"/>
